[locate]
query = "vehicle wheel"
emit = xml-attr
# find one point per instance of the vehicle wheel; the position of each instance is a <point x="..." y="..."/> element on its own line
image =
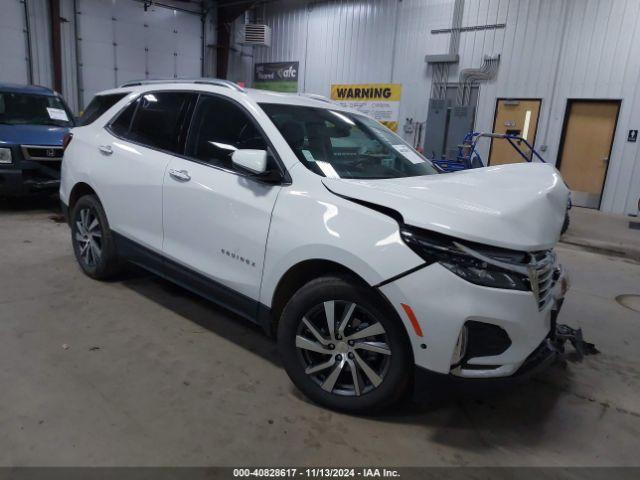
<point x="343" y="347"/>
<point x="565" y="225"/>
<point x="93" y="242"/>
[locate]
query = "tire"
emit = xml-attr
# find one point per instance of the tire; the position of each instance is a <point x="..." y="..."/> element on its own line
<point x="312" y="305"/>
<point x="565" y="225"/>
<point x="94" y="247"/>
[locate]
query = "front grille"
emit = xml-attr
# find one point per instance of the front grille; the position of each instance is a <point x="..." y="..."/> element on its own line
<point x="42" y="152"/>
<point x="542" y="276"/>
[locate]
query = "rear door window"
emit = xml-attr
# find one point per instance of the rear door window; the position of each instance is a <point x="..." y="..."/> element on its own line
<point x="121" y="125"/>
<point x="160" y="120"/>
<point x="99" y="105"/>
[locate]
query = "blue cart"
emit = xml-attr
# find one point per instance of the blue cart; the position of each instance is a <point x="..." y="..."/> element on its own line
<point x="468" y="156"/>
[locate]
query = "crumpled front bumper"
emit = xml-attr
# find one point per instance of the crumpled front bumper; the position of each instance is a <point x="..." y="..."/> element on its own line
<point x="443" y="303"/>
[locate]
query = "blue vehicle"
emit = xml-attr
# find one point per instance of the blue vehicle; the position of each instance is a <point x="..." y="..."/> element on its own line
<point x="33" y="123"/>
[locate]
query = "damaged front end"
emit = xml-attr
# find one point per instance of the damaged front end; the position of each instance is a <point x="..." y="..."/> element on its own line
<point x="552" y="348"/>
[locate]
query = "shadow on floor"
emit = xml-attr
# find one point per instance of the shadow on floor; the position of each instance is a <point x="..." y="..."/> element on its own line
<point x="49" y="203"/>
<point x="203" y="313"/>
<point x="449" y="404"/>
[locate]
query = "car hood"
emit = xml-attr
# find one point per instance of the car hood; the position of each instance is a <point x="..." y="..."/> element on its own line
<point x="31" y="134"/>
<point x="518" y="206"/>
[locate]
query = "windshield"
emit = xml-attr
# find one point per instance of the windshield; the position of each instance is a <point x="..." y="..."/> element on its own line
<point x="33" y="109"/>
<point x="337" y="144"/>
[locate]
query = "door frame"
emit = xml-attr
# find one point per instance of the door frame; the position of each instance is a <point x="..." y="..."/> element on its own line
<point x="495" y="117"/>
<point x="565" y="124"/>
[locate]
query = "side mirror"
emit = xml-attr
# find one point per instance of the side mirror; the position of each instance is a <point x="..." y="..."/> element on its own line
<point x="254" y="161"/>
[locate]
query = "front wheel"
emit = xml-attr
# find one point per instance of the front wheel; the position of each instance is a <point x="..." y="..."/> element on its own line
<point x="93" y="242"/>
<point x="565" y="224"/>
<point x="343" y="347"/>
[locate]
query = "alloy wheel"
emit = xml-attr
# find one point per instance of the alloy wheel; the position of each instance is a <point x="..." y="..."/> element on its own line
<point x="343" y="348"/>
<point x="88" y="236"/>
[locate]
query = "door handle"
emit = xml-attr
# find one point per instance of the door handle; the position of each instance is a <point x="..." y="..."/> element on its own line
<point x="605" y="160"/>
<point x="106" y="149"/>
<point x="180" y="175"/>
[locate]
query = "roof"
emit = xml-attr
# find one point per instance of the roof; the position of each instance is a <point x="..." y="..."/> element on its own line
<point x="258" y="96"/>
<point x="266" y="96"/>
<point x="17" y="88"/>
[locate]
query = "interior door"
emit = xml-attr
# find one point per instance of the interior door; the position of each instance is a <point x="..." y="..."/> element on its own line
<point x="516" y="117"/>
<point x="216" y="218"/>
<point x="587" y="140"/>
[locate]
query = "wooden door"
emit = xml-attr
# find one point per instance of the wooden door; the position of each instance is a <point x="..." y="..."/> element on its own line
<point x="517" y="117"/>
<point x="586" y="146"/>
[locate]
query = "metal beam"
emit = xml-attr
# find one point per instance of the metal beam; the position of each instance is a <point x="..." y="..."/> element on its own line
<point x="27" y="26"/>
<point x="76" y="35"/>
<point x="469" y="29"/>
<point x="56" y="46"/>
<point x="152" y="3"/>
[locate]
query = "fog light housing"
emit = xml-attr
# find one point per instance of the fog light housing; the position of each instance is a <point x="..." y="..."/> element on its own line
<point x="460" y="349"/>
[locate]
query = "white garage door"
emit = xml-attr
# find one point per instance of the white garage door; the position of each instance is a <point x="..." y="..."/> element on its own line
<point x="119" y="42"/>
<point x="13" y="43"/>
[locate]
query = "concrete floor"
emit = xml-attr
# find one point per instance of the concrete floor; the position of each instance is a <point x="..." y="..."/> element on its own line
<point x="155" y="376"/>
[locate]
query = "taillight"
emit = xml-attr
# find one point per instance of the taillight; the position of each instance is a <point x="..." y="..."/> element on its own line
<point x="66" y="140"/>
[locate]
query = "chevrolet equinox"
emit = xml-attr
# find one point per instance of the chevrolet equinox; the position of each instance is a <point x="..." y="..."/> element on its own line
<point x="325" y="228"/>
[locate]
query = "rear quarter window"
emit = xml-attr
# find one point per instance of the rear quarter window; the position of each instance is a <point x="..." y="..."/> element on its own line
<point x="99" y="105"/>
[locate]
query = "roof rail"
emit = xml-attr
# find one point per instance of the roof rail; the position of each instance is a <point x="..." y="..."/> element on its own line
<point x="315" y="96"/>
<point x="204" y="81"/>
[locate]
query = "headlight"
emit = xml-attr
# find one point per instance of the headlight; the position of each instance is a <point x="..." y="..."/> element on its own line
<point x="434" y="247"/>
<point x="489" y="277"/>
<point x="5" y="155"/>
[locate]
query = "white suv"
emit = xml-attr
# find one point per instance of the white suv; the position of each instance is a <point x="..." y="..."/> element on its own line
<point x="324" y="227"/>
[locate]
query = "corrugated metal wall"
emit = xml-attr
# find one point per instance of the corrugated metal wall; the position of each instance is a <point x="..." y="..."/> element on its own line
<point x="24" y="42"/>
<point x="14" y="58"/>
<point x="550" y="49"/>
<point x="40" y="32"/>
<point x="118" y="41"/>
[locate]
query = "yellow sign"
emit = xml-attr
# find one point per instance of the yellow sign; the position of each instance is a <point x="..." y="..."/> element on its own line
<point x="378" y="100"/>
<point x="367" y="92"/>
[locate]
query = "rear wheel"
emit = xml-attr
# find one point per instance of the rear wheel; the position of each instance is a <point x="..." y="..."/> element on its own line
<point x="93" y="243"/>
<point x="343" y="347"/>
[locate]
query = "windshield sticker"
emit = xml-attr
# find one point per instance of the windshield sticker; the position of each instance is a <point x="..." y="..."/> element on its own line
<point x="409" y="154"/>
<point x="308" y="155"/>
<point x="57" y="114"/>
<point x="327" y="169"/>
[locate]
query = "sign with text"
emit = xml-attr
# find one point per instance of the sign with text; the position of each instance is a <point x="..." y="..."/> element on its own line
<point x="279" y="77"/>
<point x="380" y="101"/>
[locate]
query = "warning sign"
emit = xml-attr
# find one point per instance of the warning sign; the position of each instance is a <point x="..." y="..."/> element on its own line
<point x="378" y="100"/>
